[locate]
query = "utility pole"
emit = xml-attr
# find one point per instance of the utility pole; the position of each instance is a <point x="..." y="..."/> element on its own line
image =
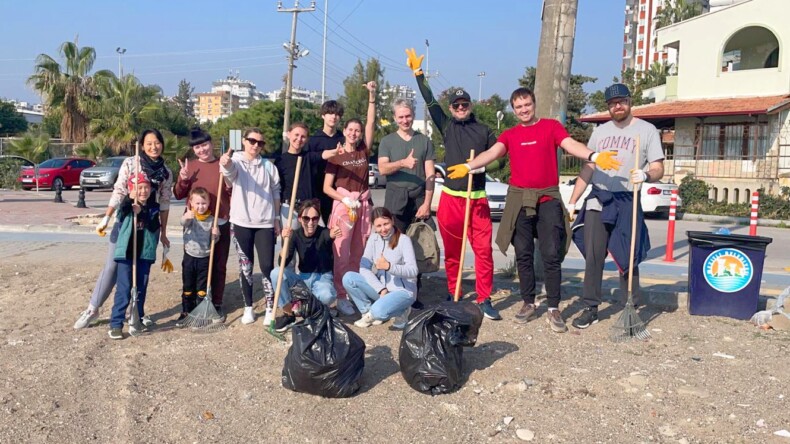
<point x="480" y="86"/>
<point x="553" y="73"/>
<point x="323" y="55"/>
<point x="294" y="53"/>
<point x="427" y="73"/>
<point x="120" y="51"/>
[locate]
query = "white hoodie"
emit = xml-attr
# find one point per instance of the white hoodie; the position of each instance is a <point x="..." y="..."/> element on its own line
<point x="256" y="186"/>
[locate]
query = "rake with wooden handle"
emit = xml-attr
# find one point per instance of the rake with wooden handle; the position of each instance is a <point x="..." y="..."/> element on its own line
<point x="135" y="323"/>
<point x="467" y="210"/>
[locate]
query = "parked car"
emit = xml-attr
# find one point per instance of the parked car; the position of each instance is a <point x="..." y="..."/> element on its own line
<point x="655" y="196"/>
<point x="14" y="161"/>
<point x="496" y="192"/>
<point x="63" y="171"/>
<point x="102" y="175"/>
<point x="375" y="178"/>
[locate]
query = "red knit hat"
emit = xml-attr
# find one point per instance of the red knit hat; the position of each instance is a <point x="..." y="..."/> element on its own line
<point x="137" y="178"/>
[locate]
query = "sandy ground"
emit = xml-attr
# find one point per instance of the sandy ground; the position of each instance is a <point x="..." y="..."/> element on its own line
<point x="171" y="385"/>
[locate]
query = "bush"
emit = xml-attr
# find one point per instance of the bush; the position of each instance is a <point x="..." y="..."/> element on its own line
<point x="694" y="193"/>
<point x="9" y="172"/>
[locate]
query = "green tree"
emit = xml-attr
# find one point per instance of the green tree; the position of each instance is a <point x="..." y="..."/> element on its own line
<point x="94" y="149"/>
<point x="183" y="99"/>
<point x="11" y="120"/>
<point x="51" y="122"/>
<point x="355" y="97"/>
<point x="675" y="11"/>
<point x="124" y="106"/>
<point x="69" y="87"/>
<point x="32" y="145"/>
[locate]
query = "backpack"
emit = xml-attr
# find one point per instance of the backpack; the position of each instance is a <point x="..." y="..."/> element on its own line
<point x="426" y="247"/>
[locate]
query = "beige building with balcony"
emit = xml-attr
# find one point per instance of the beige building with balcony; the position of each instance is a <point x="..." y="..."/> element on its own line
<point x="729" y="104"/>
<point x="215" y="105"/>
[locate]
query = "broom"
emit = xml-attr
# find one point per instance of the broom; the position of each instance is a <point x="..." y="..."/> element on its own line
<point x="284" y="250"/>
<point x="467" y="210"/>
<point x="135" y="323"/>
<point x="204" y="318"/>
<point x="629" y="325"/>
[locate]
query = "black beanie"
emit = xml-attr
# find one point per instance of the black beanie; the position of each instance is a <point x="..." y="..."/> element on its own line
<point x="198" y="136"/>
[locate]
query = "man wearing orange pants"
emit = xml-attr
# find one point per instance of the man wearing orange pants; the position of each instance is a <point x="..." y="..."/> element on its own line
<point x="462" y="133"/>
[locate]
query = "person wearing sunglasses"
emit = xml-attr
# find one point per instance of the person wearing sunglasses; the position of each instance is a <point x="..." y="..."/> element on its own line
<point x="254" y="215"/>
<point x="533" y="206"/>
<point x="346" y="182"/>
<point x="461" y="133"/>
<point x="312" y="244"/>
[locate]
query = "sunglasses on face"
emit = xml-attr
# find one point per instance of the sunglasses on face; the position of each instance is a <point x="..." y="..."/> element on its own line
<point x="252" y="141"/>
<point x="308" y="219"/>
<point x="460" y="105"/>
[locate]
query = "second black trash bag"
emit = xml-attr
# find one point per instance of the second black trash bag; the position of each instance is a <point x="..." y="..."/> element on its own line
<point x="431" y="348"/>
<point x="326" y="358"/>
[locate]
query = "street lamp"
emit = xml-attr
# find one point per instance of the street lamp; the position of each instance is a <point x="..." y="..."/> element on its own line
<point x="480" y="88"/>
<point x="120" y="51"/>
<point x="499" y="116"/>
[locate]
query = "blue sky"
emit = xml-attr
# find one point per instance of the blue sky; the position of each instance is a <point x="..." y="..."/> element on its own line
<point x="201" y="41"/>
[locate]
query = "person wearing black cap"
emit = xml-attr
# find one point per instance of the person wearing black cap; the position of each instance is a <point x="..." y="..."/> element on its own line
<point x="533" y="207"/>
<point x="604" y="222"/>
<point x="462" y="133"/>
<point x="204" y="172"/>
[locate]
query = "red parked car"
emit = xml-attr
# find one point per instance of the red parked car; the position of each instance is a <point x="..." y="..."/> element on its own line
<point x="63" y="170"/>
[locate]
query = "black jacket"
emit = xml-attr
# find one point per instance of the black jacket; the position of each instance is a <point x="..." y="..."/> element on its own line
<point x="460" y="138"/>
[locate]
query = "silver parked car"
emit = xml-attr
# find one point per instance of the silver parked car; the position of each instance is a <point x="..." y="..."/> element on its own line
<point x="102" y="175"/>
<point x="375" y="178"/>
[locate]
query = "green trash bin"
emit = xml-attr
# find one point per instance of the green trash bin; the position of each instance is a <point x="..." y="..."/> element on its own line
<point x="725" y="271"/>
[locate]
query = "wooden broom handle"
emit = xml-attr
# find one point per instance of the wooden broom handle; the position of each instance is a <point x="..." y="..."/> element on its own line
<point x="467" y="210"/>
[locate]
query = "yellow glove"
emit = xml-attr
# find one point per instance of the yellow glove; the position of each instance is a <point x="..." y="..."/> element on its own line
<point x="414" y="62"/>
<point x="606" y="160"/>
<point x="103" y="226"/>
<point x="167" y="266"/>
<point x="458" y="171"/>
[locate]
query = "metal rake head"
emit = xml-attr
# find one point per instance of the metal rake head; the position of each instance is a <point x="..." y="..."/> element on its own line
<point x="629" y="326"/>
<point x="204" y="318"/>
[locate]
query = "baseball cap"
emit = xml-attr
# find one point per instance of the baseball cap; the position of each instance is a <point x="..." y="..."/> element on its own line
<point x="459" y="94"/>
<point x="616" y="91"/>
<point x="137" y="178"/>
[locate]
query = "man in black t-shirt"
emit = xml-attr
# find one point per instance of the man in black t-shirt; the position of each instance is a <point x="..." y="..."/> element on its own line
<point x="324" y="139"/>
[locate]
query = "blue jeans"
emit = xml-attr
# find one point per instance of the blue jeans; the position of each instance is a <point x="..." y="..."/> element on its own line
<point x="367" y="299"/>
<point x="123" y="290"/>
<point x="320" y="284"/>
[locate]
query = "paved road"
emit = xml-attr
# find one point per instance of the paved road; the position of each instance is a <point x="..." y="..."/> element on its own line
<point x="777" y="255"/>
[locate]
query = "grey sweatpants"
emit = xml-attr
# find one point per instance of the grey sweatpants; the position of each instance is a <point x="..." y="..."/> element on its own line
<point x="596" y="237"/>
<point x="106" y="280"/>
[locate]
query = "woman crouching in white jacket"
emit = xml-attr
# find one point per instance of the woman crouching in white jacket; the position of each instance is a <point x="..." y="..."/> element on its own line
<point x="386" y="284"/>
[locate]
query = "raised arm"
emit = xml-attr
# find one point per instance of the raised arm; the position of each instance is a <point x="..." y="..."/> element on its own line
<point x="370" y="122"/>
<point x="434" y="109"/>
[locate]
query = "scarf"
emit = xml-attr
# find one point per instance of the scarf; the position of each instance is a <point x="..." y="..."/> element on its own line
<point x="202" y="217"/>
<point x="154" y="169"/>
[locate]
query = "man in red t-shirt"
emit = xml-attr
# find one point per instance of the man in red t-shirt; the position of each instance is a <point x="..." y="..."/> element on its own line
<point x="534" y="206"/>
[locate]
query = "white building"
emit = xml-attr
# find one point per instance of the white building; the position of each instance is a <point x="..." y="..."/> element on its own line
<point x="243" y="89"/>
<point x="729" y="104"/>
<point x="399" y="92"/>
<point x="297" y="93"/>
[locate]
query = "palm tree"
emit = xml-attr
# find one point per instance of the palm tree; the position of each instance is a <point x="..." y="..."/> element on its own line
<point x="674" y="11"/>
<point x="93" y="149"/>
<point x="69" y="87"/>
<point x="125" y="104"/>
<point x="32" y="146"/>
<point x="655" y="75"/>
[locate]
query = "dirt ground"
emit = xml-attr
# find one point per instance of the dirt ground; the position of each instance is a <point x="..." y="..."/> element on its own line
<point x="171" y="385"/>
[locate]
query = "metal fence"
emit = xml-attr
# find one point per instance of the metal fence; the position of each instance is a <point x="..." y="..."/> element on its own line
<point x="57" y="148"/>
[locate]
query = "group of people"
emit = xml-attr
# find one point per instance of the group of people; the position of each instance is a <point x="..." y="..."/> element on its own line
<point x="352" y="255"/>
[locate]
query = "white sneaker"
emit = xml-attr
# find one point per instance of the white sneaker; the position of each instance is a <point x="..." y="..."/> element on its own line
<point x="345" y="307"/>
<point x="147" y="321"/>
<point x="249" y="316"/>
<point x="268" y="318"/>
<point x="87" y="317"/>
<point x="365" y="321"/>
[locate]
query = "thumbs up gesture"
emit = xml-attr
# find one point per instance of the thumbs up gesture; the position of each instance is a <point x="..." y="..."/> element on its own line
<point x="409" y="162"/>
<point x="382" y="264"/>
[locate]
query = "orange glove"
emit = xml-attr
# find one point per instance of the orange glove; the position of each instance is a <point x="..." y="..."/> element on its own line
<point x="414" y="62"/>
<point x="606" y="160"/>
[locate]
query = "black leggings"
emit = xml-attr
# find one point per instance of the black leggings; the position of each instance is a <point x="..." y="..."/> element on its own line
<point x="195" y="280"/>
<point x="261" y="240"/>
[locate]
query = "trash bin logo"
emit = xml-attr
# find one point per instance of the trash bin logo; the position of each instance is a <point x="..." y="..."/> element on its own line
<point x="728" y="270"/>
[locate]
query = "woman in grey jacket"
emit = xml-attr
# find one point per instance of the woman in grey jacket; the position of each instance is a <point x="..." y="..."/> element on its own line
<point x="386" y="284"/>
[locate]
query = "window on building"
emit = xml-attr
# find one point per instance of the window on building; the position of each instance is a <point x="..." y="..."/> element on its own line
<point x="732" y="141"/>
<point x="753" y="47"/>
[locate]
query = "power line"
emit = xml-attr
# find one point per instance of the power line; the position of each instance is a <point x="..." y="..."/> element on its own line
<point x="359" y="3"/>
<point x="207" y="69"/>
<point x="175" y="53"/>
<point x="208" y="62"/>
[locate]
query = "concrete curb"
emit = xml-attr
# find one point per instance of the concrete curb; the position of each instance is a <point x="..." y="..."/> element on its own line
<point x="731" y="220"/>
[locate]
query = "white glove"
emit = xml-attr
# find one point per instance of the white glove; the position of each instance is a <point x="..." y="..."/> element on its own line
<point x="102" y="225"/>
<point x="348" y="202"/>
<point x="638" y="176"/>
<point x="571" y="208"/>
<point x="482" y="169"/>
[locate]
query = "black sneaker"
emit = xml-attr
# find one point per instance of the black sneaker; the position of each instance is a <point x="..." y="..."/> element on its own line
<point x="417" y="305"/>
<point x="588" y="317"/>
<point x="222" y="316"/>
<point x="284" y="322"/>
<point x="489" y="311"/>
<point x="115" y="333"/>
<point x="181" y="320"/>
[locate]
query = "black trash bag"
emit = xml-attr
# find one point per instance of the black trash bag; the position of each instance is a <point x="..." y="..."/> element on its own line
<point x="326" y="358"/>
<point x="432" y="345"/>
